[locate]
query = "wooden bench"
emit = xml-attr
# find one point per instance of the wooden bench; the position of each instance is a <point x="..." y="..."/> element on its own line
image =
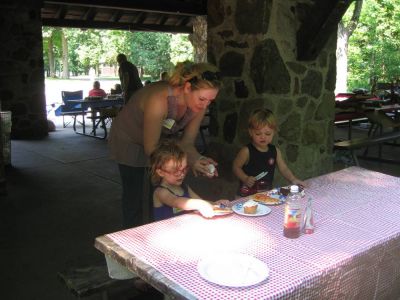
<point x="351" y="145"/>
<point x="83" y="282"/>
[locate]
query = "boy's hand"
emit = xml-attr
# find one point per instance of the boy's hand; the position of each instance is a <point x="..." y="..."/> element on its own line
<point x="250" y="181"/>
<point x="299" y="182"/>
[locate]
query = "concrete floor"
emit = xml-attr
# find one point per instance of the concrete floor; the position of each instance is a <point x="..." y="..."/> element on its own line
<point x="63" y="192"/>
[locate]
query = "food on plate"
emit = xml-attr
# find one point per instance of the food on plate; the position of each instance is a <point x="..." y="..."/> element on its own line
<point x="222" y="210"/>
<point x="250" y="207"/>
<point x="284" y="191"/>
<point x="263" y="198"/>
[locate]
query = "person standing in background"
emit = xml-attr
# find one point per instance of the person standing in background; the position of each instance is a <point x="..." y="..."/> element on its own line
<point x="129" y="77"/>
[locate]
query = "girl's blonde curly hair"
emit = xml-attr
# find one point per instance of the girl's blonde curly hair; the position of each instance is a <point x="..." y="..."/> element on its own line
<point x="165" y="151"/>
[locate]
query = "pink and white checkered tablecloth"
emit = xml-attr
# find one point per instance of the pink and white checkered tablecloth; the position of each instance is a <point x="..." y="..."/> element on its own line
<point x="354" y="252"/>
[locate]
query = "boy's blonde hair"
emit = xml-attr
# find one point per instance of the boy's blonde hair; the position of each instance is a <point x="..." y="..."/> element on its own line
<point x="165" y="151"/>
<point x="262" y="117"/>
<point x="200" y="75"/>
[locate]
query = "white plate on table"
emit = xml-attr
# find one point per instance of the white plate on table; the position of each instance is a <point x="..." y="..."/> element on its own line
<point x="233" y="269"/>
<point x="262" y="210"/>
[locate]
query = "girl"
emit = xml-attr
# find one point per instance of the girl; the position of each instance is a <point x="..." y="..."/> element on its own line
<point x="168" y="170"/>
<point x="260" y="157"/>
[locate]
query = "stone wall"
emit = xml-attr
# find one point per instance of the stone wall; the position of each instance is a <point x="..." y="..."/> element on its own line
<point x="21" y="68"/>
<point x="254" y="45"/>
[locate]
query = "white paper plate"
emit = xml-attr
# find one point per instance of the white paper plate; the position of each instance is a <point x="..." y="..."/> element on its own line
<point x="222" y="213"/>
<point x="262" y="210"/>
<point x="233" y="269"/>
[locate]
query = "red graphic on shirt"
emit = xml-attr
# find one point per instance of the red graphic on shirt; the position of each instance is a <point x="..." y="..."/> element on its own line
<point x="271" y="161"/>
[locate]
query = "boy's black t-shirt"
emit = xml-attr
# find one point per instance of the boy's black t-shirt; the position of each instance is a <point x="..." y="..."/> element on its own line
<point x="261" y="162"/>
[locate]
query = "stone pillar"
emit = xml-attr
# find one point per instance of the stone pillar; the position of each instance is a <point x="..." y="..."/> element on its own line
<point x="254" y="45"/>
<point x="21" y="67"/>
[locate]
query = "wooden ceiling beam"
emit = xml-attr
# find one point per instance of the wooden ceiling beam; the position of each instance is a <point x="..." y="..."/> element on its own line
<point x="61" y="12"/>
<point x="162" y="19"/>
<point x="184" y="21"/>
<point x="318" y="24"/>
<point x="116" y="26"/>
<point x="90" y="14"/>
<point x="177" y="7"/>
<point x="116" y="16"/>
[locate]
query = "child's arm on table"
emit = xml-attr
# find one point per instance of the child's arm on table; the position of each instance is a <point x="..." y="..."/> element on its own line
<point x="221" y="201"/>
<point x="237" y="167"/>
<point x="167" y="198"/>
<point x="285" y="171"/>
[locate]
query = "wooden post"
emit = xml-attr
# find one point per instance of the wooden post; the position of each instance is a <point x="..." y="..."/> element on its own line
<point x="3" y="188"/>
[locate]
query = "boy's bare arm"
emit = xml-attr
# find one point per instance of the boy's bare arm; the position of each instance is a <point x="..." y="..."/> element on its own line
<point x="238" y="163"/>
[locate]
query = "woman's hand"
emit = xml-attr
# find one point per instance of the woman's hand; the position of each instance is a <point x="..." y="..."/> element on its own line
<point x="250" y="181"/>
<point x="204" y="166"/>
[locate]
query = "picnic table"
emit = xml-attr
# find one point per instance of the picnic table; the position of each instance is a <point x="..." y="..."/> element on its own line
<point x="353" y="253"/>
<point x="96" y="105"/>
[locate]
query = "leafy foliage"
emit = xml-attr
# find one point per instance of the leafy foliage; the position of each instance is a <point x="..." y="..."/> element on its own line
<point x="374" y="47"/>
<point x="151" y="52"/>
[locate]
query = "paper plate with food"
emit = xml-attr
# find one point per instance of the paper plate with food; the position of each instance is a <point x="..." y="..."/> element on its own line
<point x="251" y="208"/>
<point x="268" y="199"/>
<point x="222" y="210"/>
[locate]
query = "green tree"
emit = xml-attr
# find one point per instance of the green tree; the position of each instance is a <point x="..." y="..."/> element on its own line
<point x="181" y="48"/>
<point x="150" y="51"/>
<point x="346" y="28"/>
<point x="374" y="47"/>
<point x="52" y="49"/>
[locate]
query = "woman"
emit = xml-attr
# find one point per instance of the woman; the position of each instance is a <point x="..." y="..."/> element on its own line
<point x="159" y="110"/>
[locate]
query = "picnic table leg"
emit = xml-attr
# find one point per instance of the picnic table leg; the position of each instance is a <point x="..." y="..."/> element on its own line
<point x="83" y="121"/>
<point x="350" y="129"/>
<point x="380" y="145"/>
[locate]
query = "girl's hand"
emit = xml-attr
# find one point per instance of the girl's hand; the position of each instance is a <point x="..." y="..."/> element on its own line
<point x="223" y="202"/>
<point x="206" y="209"/>
<point x="202" y="166"/>
<point x="250" y="181"/>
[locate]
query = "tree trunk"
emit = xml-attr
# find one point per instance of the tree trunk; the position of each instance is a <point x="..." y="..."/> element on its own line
<point x="199" y="39"/>
<point x="344" y="33"/>
<point x="51" y="57"/>
<point x="341" y="60"/>
<point x="64" y="42"/>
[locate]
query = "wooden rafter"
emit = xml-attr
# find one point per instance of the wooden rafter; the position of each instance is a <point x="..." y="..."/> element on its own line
<point x="116" y="26"/>
<point x="179" y="7"/>
<point x="318" y="25"/>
